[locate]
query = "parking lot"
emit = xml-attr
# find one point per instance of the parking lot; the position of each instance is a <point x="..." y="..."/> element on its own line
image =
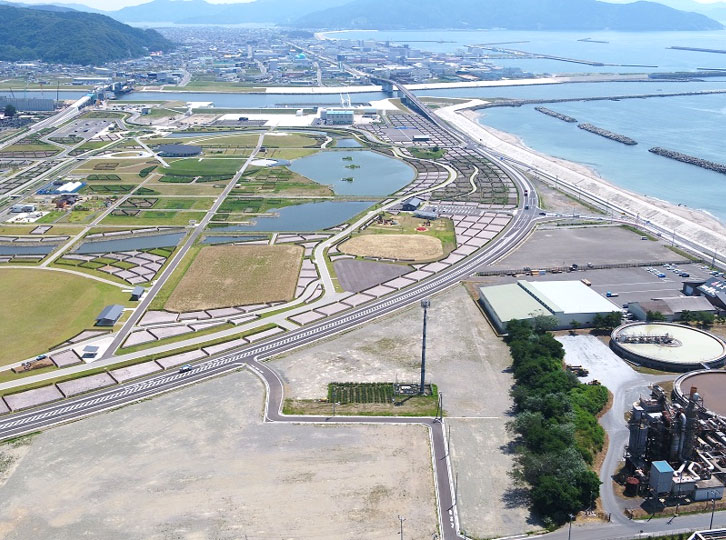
<point x="634" y="284"/>
<point x="562" y="246"/>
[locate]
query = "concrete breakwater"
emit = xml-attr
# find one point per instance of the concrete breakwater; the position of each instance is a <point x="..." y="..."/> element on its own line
<point x="691" y="160"/>
<point x="608" y="134"/>
<point x="555" y="114"/>
<point x="520" y="102"/>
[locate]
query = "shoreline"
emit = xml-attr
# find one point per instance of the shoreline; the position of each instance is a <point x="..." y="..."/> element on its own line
<point x="693" y="224"/>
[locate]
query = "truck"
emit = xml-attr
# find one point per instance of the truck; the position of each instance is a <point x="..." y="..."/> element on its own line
<point x="586" y="282"/>
<point x="611" y="294"/>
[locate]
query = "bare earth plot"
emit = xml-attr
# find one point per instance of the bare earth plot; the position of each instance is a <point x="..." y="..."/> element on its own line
<point x="199" y="464"/>
<point x="406" y="247"/>
<point x="469" y="365"/>
<point x="598" y="245"/>
<point x="223" y="276"/>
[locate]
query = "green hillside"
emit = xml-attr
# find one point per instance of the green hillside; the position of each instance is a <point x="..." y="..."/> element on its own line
<point x="72" y="37"/>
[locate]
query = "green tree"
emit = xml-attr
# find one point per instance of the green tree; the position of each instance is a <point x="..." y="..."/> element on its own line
<point x="654" y="316"/>
<point x="10" y="110"/>
<point x="705" y="319"/>
<point x="544" y="323"/>
<point x="686" y="316"/>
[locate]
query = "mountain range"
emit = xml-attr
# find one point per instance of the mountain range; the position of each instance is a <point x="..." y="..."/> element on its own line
<point x="72" y="37"/>
<point x="429" y="14"/>
<point x="512" y="15"/>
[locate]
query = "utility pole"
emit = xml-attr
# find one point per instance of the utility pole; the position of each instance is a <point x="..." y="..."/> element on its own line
<point x="401" y="519"/>
<point x="713" y="509"/>
<point x="425" y="303"/>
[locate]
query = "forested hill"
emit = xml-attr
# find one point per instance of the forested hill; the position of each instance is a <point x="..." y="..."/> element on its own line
<point x="72" y="37"/>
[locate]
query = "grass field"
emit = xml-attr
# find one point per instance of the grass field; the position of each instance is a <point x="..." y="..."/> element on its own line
<point x="151" y="218"/>
<point x="43" y="308"/>
<point x="222" y="276"/>
<point x="205" y="167"/>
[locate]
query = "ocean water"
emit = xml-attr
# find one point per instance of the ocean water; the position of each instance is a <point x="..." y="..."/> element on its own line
<point x="694" y="125"/>
<point x="622" y="49"/>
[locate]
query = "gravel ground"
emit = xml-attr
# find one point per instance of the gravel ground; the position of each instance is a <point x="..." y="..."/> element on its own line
<point x="597" y="245"/>
<point x="357" y="276"/>
<point x="469" y="365"/>
<point x="198" y="463"/>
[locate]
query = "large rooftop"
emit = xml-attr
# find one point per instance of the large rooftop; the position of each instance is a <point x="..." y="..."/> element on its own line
<point x="570" y="297"/>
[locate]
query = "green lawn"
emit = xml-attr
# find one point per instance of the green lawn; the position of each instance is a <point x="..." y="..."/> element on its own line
<point x="154" y="218"/>
<point x="427" y="154"/>
<point x="44" y="308"/>
<point x="205" y="167"/>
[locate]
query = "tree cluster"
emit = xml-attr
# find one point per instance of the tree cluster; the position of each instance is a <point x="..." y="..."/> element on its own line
<point x="702" y="318"/>
<point x="556" y="424"/>
<point x="607" y="322"/>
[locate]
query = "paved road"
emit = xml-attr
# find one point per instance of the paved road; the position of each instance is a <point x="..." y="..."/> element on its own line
<point x="46" y="416"/>
<point x="159" y="283"/>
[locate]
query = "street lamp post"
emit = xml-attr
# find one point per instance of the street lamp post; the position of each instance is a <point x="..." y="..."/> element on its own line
<point x="425" y="303"/>
<point x="569" y="529"/>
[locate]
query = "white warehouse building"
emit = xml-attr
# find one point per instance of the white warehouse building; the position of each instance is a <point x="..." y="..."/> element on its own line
<point x="567" y="301"/>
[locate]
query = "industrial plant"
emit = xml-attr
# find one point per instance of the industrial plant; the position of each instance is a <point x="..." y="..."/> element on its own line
<point x="676" y="450"/>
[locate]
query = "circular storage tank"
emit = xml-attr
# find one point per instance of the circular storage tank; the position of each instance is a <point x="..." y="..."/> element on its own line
<point x="711" y="387"/>
<point x="668" y="346"/>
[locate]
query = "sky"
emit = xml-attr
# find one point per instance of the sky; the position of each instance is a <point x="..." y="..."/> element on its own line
<point x="118" y="4"/>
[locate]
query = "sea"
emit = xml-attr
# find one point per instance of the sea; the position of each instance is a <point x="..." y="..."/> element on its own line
<point x="694" y="125"/>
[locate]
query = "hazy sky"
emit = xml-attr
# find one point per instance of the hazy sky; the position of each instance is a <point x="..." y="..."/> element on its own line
<point x="117" y="4"/>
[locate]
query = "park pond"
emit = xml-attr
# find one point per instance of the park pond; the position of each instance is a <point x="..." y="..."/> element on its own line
<point x="130" y="244"/>
<point x="372" y="174"/>
<point x="214" y="239"/>
<point x="25" y="249"/>
<point x="305" y="217"/>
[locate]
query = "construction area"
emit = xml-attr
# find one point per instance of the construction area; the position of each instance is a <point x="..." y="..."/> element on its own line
<point x="201" y="464"/>
<point x="468" y="364"/>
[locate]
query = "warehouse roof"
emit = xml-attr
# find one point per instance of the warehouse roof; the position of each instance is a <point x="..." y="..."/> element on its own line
<point x="511" y="301"/>
<point x="569" y="297"/>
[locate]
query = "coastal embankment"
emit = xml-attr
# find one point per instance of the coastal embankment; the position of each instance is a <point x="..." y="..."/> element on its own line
<point x="608" y="134"/>
<point x="555" y="114"/>
<point x="691" y="160"/>
<point x="695" y="226"/>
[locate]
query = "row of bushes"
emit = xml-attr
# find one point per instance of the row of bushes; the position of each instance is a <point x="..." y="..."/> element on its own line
<point x="556" y="424"/>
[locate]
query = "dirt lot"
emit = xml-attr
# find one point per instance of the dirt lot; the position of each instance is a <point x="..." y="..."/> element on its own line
<point x="222" y="276"/>
<point x="198" y="463"/>
<point x="406" y="247"/>
<point x="469" y="365"/>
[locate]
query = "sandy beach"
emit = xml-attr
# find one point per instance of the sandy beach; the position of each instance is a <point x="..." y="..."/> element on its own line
<point x="697" y="226"/>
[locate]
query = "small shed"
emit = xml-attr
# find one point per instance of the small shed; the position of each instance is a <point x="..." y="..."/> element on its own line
<point x="429" y="215"/>
<point x="137" y="293"/>
<point x="90" y="351"/>
<point x="661" y="477"/>
<point x="110" y="315"/>
<point x="708" y="490"/>
<point x="411" y="204"/>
